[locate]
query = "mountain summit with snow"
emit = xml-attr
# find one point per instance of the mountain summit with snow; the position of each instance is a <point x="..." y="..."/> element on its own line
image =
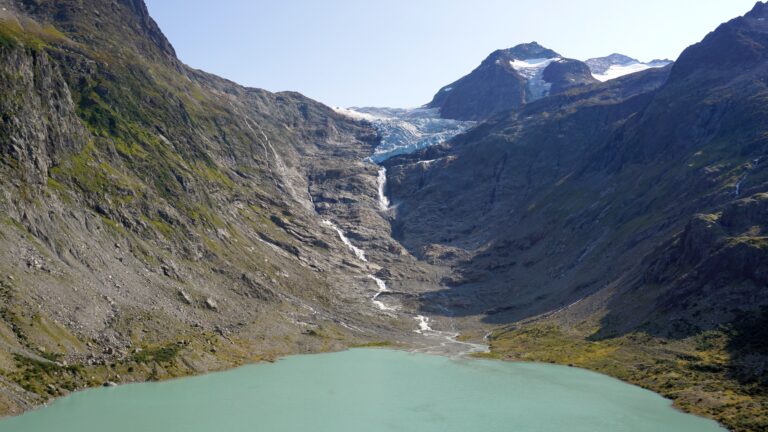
<point x="618" y="65"/>
<point x="508" y="79"/>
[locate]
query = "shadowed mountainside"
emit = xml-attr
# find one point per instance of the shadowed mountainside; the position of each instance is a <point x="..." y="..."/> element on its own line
<point x="624" y="223"/>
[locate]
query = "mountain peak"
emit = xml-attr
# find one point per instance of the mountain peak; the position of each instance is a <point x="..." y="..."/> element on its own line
<point x="508" y="79"/>
<point x="524" y="51"/>
<point x="108" y="26"/>
<point x="615" y="59"/>
<point x="738" y="45"/>
<point x="530" y="50"/>
<point x="759" y="11"/>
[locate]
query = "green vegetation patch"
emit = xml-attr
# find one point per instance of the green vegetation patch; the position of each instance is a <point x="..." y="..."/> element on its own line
<point x="29" y="34"/>
<point x="380" y="344"/>
<point x="164" y="354"/>
<point x="35" y="375"/>
<point x="698" y="373"/>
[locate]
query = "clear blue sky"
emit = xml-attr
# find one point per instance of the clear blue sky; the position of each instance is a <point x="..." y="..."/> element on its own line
<point x="400" y="52"/>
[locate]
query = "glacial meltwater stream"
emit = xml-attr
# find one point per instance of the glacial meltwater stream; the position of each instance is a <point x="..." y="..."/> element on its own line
<point x="369" y="390"/>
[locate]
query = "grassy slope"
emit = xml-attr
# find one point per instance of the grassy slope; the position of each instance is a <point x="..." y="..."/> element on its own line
<point x="694" y="372"/>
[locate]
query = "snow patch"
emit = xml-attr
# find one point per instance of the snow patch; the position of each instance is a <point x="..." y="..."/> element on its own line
<point x="616" y="71"/>
<point x="530" y="67"/>
<point x="533" y="71"/>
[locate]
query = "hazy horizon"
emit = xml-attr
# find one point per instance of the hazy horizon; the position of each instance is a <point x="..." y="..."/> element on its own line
<point x="351" y="53"/>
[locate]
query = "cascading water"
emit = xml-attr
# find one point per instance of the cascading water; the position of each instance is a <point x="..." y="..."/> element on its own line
<point x="382" y="289"/>
<point x="359" y="253"/>
<point x="383" y="200"/>
<point x="445" y="342"/>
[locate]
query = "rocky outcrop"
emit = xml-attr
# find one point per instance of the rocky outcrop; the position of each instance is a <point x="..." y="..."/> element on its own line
<point x="39" y="127"/>
<point x="566" y="74"/>
<point x="717" y="265"/>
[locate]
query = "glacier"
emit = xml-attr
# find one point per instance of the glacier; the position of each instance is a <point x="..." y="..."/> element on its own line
<point x="406" y="130"/>
<point x="533" y="71"/>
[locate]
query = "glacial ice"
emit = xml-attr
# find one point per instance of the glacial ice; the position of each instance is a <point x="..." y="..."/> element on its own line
<point x="406" y="130"/>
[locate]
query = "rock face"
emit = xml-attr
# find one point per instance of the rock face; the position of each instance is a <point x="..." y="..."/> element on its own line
<point x="719" y="259"/>
<point x="501" y="224"/>
<point x="565" y="74"/>
<point x="600" y="65"/>
<point x="507" y="80"/>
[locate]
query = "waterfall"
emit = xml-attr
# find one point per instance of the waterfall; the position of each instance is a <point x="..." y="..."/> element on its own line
<point x="383" y="200"/>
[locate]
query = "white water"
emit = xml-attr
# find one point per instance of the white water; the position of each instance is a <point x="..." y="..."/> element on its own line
<point x="738" y="184"/>
<point x="383" y="200"/>
<point x="359" y="253"/>
<point x="445" y="342"/>
<point x="423" y="324"/>
<point x="743" y="178"/>
<point x="382" y="289"/>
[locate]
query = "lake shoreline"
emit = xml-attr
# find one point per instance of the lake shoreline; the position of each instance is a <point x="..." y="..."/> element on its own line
<point x="429" y="364"/>
<point x="491" y="356"/>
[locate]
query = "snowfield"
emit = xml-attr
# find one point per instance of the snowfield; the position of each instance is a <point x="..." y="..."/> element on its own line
<point x="620" y="70"/>
<point x="617" y="71"/>
<point x="533" y="71"/>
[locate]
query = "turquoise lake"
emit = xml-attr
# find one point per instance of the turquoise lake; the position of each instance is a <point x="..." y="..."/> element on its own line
<point x="370" y="390"/>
